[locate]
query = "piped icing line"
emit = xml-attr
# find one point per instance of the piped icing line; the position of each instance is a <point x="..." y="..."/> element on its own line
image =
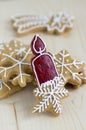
<point x="28" y="17"/>
<point x="51" y="92"/>
<point x="3" y="83"/>
<point x="41" y="51"/>
<point x="60" y="63"/>
<point x="17" y="63"/>
<point x="18" y="50"/>
<point x="27" y="21"/>
<point x="82" y="76"/>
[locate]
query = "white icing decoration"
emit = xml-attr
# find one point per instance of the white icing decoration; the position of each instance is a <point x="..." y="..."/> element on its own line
<point x="60" y="22"/>
<point x="40" y="51"/>
<point x="10" y="49"/>
<point x="70" y="66"/>
<point x="7" y="45"/>
<point x="60" y="58"/>
<point x="3" y="83"/>
<point x="67" y="66"/>
<point x="18" y="63"/>
<point x="67" y="60"/>
<point x="20" y="51"/>
<point x="82" y="76"/>
<point x="16" y="45"/>
<point x="21" y="44"/>
<point x="51" y="93"/>
<point x="65" y="72"/>
<point x="52" y="23"/>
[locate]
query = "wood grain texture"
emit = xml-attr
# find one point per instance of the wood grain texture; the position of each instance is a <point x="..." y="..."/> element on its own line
<point x="15" y="111"/>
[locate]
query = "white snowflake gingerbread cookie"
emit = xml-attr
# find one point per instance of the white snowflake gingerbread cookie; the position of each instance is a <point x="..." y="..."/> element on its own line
<point x="15" y="67"/>
<point x="50" y="89"/>
<point x="55" y="23"/>
<point x="15" y="63"/>
<point x="71" y="70"/>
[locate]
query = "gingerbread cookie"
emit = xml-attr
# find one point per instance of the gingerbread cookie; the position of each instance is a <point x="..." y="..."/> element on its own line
<point x="15" y="63"/>
<point x="71" y="70"/>
<point x="50" y="90"/>
<point x="56" y="23"/>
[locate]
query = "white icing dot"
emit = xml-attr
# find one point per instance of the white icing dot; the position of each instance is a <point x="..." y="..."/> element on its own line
<point x="7" y="45"/>
<point x="16" y="45"/>
<point x="67" y="60"/>
<point x="21" y="44"/>
<point x="70" y="66"/>
<point x="65" y="72"/>
<point x="10" y="48"/>
<point x="60" y="58"/>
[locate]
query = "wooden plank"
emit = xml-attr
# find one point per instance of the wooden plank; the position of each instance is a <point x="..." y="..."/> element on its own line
<point x="8" y="117"/>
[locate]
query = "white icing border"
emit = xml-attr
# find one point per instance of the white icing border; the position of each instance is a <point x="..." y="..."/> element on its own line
<point x="38" y="52"/>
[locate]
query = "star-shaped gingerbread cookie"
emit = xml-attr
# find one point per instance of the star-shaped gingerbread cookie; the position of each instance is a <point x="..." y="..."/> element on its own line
<point x="49" y="96"/>
<point x="60" y="23"/>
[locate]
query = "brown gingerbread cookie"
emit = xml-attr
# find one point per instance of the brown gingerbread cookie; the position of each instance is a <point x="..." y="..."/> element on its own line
<point x="55" y="23"/>
<point x="71" y="70"/>
<point x="15" y="63"/>
<point x="52" y="73"/>
<point x="50" y="90"/>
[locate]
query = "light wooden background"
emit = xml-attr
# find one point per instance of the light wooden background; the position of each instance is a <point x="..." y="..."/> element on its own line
<point x="15" y="111"/>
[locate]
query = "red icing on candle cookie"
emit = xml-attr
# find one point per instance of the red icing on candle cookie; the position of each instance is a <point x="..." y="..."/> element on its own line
<point x="42" y="63"/>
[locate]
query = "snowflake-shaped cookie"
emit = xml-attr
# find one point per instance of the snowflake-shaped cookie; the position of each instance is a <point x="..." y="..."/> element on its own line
<point x="56" y="23"/>
<point x="70" y="70"/>
<point x="50" y="95"/>
<point x="15" y="63"/>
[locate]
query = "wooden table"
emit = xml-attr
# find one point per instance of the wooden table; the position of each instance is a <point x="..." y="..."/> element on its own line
<point x="15" y="111"/>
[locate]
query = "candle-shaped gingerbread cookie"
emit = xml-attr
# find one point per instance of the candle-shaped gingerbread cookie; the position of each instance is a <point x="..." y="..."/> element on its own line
<point x="50" y="85"/>
<point x="42" y="63"/>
